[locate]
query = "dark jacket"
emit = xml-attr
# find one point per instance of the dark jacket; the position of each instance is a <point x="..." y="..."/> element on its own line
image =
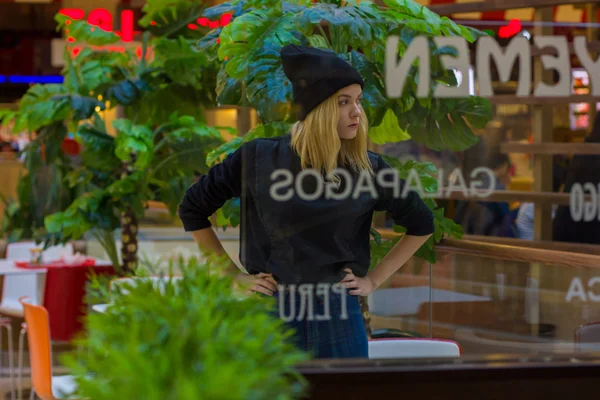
<point x="295" y="239"/>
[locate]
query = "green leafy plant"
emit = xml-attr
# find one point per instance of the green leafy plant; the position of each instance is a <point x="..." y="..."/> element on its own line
<point x="251" y="74"/>
<point x="193" y="338"/>
<point x="154" y="151"/>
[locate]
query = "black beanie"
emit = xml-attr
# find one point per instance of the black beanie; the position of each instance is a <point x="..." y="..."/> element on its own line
<point x="316" y="74"/>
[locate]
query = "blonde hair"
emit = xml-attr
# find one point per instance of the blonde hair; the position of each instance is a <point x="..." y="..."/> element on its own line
<point x="319" y="146"/>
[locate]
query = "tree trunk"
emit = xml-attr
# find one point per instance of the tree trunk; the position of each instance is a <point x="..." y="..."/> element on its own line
<point x="129" y="230"/>
<point x="364" y="307"/>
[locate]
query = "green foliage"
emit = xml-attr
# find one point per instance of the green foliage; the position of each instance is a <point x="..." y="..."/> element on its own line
<point x="82" y="31"/>
<point x="269" y="130"/>
<point x="180" y="57"/>
<point x="45" y="104"/>
<point x="163" y="162"/>
<point x="251" y="73"/>
<point x="170" y="18"/>
<point x="162" y="138"/>
<point x="193" y="338"/>
<point x="444" y="227"/>
<point x="388" y="130"/>
<point x="133" y="142"/>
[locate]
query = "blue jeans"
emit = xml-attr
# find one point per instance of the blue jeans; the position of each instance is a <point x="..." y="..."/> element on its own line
<point x="328" y="323"/>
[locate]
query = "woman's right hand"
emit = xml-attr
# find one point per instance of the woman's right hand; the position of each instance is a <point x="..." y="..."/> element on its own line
<point x="261" y="283"/>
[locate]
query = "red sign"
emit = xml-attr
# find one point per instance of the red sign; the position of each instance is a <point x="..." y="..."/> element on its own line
<point x="103" y="19"/>
<point x="510" y="30"/>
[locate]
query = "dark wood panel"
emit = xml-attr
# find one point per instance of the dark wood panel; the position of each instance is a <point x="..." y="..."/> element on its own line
<point x="512" y="252"/>
<point x="592" y="46"/>
<point x="497" y="5"/>
<point x="551" y="148"/>
<point x="497" y="378"/>
<point x="514" y="195"/>
<point x="519" y="254"/>
<point x="514" y="99"/>
<point x="540" y="244"/>
<point x="28" y="17"/>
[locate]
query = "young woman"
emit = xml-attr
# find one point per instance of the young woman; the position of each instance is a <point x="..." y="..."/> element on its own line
<point x="307" y="202"/>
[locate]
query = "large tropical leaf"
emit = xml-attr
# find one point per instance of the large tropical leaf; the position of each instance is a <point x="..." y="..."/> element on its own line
<point x="98" y="148"/>
<point x="268" y="130"/>
<point x="170" y="18"/>
<point x="127" y="91"/>
<point x="133" y="142"/>
<point x="83" y="31"/>
<point x="360" y="26"/>
<point x="165" y="99"/>
<point x="7" y="116"/>
<point x="93" y="209"/>
<point x="423" y="20"/>
<point x="181" y="61"/>
<point x="243" y="40"/>
<point x="426" y="172"/>
<point x="93" y="70"/>
<point x="186" y="127"/>
<point x="45" y="104"/>
<point x="374" y="101"/>
<point x="268" y="88"/>
<point x="229" y="90"/>
<point x="172" y="190"/>
<point x="388" y="131"/>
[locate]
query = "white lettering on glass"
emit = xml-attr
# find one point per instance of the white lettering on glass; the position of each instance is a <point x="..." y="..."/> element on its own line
<point x="396" y="72"/>
<point x="482" y="184"/>
<point x="578" y="290"/>
<point x="306" y="310"/>
<point x="580" y="209"/>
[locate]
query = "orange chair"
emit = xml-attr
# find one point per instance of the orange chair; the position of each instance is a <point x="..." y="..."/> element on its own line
<point x="46" y="386"/>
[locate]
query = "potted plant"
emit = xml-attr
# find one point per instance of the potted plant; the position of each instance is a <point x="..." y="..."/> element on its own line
<point x="194" y="338"/>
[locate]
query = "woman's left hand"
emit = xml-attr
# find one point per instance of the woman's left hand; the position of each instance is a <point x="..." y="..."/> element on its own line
<point x="362" y="286"/>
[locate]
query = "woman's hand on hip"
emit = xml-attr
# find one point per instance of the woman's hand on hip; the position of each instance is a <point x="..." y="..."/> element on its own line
<point x="261" y="283"/>
<point x="362" y="286"/>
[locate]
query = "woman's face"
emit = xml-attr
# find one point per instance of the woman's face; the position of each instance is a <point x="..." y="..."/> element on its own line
<point x="349" y="111"/>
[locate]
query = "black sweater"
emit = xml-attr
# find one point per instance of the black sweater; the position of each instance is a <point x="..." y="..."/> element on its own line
<point x="296" y="239"/>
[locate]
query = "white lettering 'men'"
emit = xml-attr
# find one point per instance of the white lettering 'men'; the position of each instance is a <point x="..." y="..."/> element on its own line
<point x="560" y="63"/>
<point x="396" y="73"/>
<point x="487" y="47"/>
<point x="460" y="63"/>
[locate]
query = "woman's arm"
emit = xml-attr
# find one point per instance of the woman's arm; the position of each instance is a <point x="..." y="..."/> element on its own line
<point x="209" y="243"/>
<point x="396" y="258"/>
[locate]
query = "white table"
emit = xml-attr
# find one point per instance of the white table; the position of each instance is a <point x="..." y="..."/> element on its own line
<point x="8" y="267"/>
